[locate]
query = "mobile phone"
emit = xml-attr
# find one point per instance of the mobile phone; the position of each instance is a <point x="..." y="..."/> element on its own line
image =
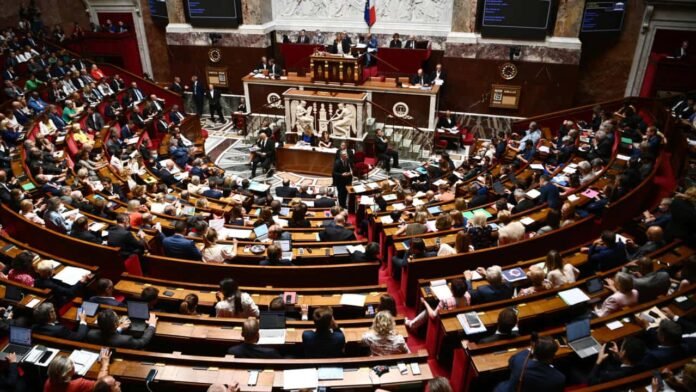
<point x="288" y="298"/>
<point x="300" y="251"/>
<point x="415" y="369"/>
<point x="370" y="310"/>
<point x="79" y="311"/>
<point x="472" y="320"/>
<point x="402" y="368"/>
<point x="660" y="381"/>
<point x="253" y="377"/>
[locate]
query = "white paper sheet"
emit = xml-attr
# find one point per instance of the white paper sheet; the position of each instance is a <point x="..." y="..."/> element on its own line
<point x="573" y="296"/>
<point x="71" y="275"/>
<point x="300" y="379"/>
<point x="353" y="299"/>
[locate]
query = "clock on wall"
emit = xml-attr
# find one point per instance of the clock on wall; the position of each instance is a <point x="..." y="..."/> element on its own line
<point x="508" y="71"/>
<point x="214" y="55"/>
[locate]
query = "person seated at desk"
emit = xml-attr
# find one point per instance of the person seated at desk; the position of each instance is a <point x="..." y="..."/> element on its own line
<point x="232" y="302"/>
<point x="46" y="323"/>
<point x="395" y="41"/>
<point x="286" y="191"/>
<point x="532" y="370"/>
<point x="250" y="348"/>
<point x="273" y="68"/>
<point x="327" y="339"/>
<point x="61" y="371"/>
<point x="624" y="295"/>
<point x="665" y="344"/>
<point x="496" y="289"/>
<point x="298" y="218"/>
<point x="649" y="281"/>
<point x="274" y="257"/>
<point x="447" y="121"/>
<point x="382" y="338"/>
<point x="325" y="198"/>
<point x="420" y="79"/>
<point x="80" y="230"/>
<point x="455" y="301"/>
<point x="308" y="136"/>
<point x="119" y="236"/>
<point x="105" y="294"/>
<point x="438" y="76"/>
<point x="605" y="253"/>
<point x="178" y="246"/>
<point x="61" y="292"/>
<point x="371" y="254"/>
<point x="349" y="152"/>
<point x="22" y="269"/>
<point x="215" y="253"/>
<point x="507" y="321"/>
<point x="264" y="155"/>
<point x="111" y="328"/>
<point x="417" y="250"/>
<point x="337" y="232"/>
<point x="150" y="295"/>
<point x="325" y="140"/>
<point x="613" y="363"/>
<point x="410" y="42"/>
<point x="303" y="38"/>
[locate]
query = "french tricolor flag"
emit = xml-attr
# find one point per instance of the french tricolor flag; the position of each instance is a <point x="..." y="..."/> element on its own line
<point x="370" y="12"/>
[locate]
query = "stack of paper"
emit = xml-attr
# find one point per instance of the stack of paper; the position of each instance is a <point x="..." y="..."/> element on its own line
<point x="399" y="206"/>
<point x="300" y="379"/>
<point x="526" y="221"/>
<point x="359" y="189"/>
<point x="389" y="197"/>
<point x="469" y="330"/>
<point x="386" y="219"/>
<point x="537" y="166"/>
<point x="441" y="289"/>
<point x="330" y="373"/>
<point x="356" y="248"/>
<point x="573" y="296"/>
<point x="367" y="200"/>
<point x="71" y="275"/>
<point x="353" y="300"/>
<point x="533" y="194"/>
<point x="83" y="361"/>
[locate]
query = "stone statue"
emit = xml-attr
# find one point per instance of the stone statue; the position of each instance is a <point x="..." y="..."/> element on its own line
<point x="342" y="121"/>
<point x="303" y="116"/>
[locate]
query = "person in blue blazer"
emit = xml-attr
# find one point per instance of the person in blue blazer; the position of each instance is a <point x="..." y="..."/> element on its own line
<point x="180" y="247"/>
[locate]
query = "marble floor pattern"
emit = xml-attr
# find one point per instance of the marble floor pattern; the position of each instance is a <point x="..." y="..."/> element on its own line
<point x="230" y="151"/>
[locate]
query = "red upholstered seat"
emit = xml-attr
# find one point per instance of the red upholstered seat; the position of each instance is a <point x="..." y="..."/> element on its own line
<point x="132" y="265"/>
<point x="361" y="168"/>
<point x="467" y="137"/>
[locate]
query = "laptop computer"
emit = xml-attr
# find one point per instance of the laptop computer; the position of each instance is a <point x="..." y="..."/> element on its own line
<point x="20" y="343"/>
<point x="138" y="313"/>
<point x="580" y="338"/>
<point x="272" y="327"/>
<point x="261" y="232"/>
<point x="13" y="293"/>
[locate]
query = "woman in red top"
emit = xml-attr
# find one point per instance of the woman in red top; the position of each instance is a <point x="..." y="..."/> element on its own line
<point x="61" y="372"/>
<point x="96" y="73"/>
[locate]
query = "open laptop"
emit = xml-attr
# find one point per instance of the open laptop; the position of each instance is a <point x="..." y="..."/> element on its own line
<point x="580" y="338"/>
<point x="20" y="343"/>
<point x="261" y="232"/>
<point x="272" y="327"/>
<point x="138" y="313"/>
<point x="285" y="248"/>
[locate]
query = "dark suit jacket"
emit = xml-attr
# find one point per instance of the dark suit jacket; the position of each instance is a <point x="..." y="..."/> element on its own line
<point x="498" y="337"/>
<point x="213" y="97"/>
<point x="360" y="257"/>
<point x="336" y="233"/>
<point x="345" y="45"/>
<point x="610" y="370"/>
<point x="683" y="223"/>
<point x="302" y="40"/>
<point x="180" y="247"/>
<point x="60" y="331"/>
<point x="324" y="345"/>
<point x="87" y="236"/>
<point x="212" y="193"/>
<point x="337" y="173"/>
<point x="395" y="43"/>
<point x="424" y="80"/>
<point x="254" y="351"/>
<point x="124" y="239"/>
<point x="446" y="122"/>
<point x="286" y="191"/>
<point x="95" y="121"/>
<point x="488" y="293"/>
<point x="106" y="301"/>
<point x="522" y="205"/>
<point x="58" y="288"/>
<point x="269" y="149"/>
<point x="124" y="341"/>
<point x="602" y="258"/>
<point x="410" y="44"/>
<point x="661" y="356"/>
<point x="538" y="376"/>
<point x="550" y="195"/>
<point x="324" y="202"/>
<point x="197" y="90"/>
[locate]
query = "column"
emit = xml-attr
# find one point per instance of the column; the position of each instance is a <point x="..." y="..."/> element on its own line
<point x="569" y="18"/>
<point x="464" y="16"/>
<point x="175" y="11"/>
<point x="256" y="12"/>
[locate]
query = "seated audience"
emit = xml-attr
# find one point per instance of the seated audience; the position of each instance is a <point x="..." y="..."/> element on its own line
<point x="537" y="278"/>
<point x="105" y="293"/>
<point x="506" y="325"/>
<point x="46" y="323"/>
<point x="382" y="338"/>
<point x="496" y="289"/>
<point x="250" y="348"/>
<point x="61" y="372"/>
<point x="214" y="252"/>
<point x="111" y="328"/>
<point x="532" y="370"/>
<point x="623" y="295"/>
<point x="559" y="273"/>
<point x="180" y="247"/>
<point x="231" y="302"/>
<point x="327" y="340"/>
<point x="613" y="363"/>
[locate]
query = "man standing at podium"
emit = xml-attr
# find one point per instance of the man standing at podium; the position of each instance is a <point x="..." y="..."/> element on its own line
<point x="303" y="38"/>
<point x="342" y="177"/>
<point x="420" y="79"/>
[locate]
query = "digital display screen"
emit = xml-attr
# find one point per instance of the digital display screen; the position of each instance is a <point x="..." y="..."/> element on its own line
<point x="603" y="16"/>
<point x="523" y="19"/>
<point x="158" y="9"/>
<point x="214" y="13"/>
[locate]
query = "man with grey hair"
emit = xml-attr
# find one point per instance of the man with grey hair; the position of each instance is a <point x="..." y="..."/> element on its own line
<point x="522" y="203"/>
<point x="325" y="198"/>
<point x="585" y="171"/>
<point x="601" y="146"/>
<point x="531" y="137"/>
<point x="495" y="290"/>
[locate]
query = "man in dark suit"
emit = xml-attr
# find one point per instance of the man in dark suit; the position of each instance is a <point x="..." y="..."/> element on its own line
<point x="95" y="122"/>
<point x="342" y="177"/>
<point x="655" y="241"/>
<point x="604" y="254"/>
<point x="446" y="121"/>
<point x="176" y="86"/>
<point x="176" y="116"/>
<point x="273" y="68"/>
<point x="384" y="153"/>
<point x="549" y="193"/>
<point x="349" y="151"/>
<point x="137" y="117"/>
<point x="395" y="42"/>
<point x="327" y="340"/>
<point x="337" y="232"/>
<point x="117" y="84"/>
<point x="110" y="332"/>
<point x="417" y="250"/>
<point x="495" y="290"/>
<point x="286" y="190"/>
<point x="531" y="370"/>
<point x="121" y="237"/>
<point x="340" y="45"/>
<point x="198" y="94"/>
<point x="274" y="257"/>
<point x="134" y="93"/>
<point x="213" y="192"/>
<point x="439" y="75"/>
<point x="666" y="343"/>
<point x="250" y="348"/>
<point x="326" y="200"/>
<point x="420" y="78"/>
<point x="303" y="38"/>
<point x="213" y="97"/>
<point x="522" y="203"/>
<point x="613" y="363"/>
<point x="649" y="283"/>
<point x="46" y="323"/>
<point x="180" y="247"/>
<point x="410" y="43"/>
<point x="264" y="155"/>
<point x="112" y="191"/>
<point x="153" y="105"/>
<point x="105" y="293"/>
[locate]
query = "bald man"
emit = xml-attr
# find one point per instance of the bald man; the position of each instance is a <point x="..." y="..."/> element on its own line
<point x="649" y="282"/>
<point x="655" y="240"/>
<point x="250" y="348"/>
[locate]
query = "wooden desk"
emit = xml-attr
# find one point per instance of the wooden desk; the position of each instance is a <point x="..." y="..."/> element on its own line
<point x="314" y="162"/>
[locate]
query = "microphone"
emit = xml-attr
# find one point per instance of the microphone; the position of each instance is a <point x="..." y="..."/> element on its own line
<point x="150" y="376"/>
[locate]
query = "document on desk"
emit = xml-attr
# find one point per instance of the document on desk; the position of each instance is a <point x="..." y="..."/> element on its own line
<point x="237" y="233"/>
<point x="389" y="197"/>
<point x="97" y="226"/>
<point x="359" y="188"/>
<point x="441" y="289"/>
<point x="355" y="248"/>
<point x="330" y="373"/>
<point x="386" y="219"/>
<point x="353" y="300"/>
<point x="573" y="296"/>
<point x="474" y="318"/>
<point x="301" y="379"/>
<point x="83" y="360"/>
<point x="216" y="224"/>
<point x="71" y="275"/>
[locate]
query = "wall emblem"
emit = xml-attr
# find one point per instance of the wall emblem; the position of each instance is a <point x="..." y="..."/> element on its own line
<point x="274" y="101"/>
<point x="400" y="109"/>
